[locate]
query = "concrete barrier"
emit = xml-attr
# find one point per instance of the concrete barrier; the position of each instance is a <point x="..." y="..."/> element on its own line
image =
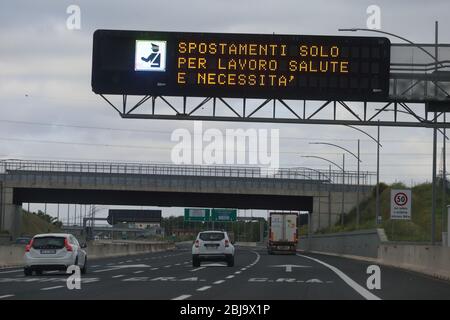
<point x="431" y="260"/>
<point x="12" y="255"/>
<point x="372" y="246"/>
<point x="363" y="243"/>
<point x="246" y="244"/>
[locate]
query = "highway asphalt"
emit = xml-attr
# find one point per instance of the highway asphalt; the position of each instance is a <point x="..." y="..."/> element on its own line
<point x="255" y="276"/>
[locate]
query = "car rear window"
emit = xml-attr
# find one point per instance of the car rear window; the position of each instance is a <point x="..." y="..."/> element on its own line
<point x="48" y="243"/>
<point x="212" y="236"/>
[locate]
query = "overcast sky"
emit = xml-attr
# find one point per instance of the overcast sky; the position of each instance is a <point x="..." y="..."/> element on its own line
<point x="47" y="103"/>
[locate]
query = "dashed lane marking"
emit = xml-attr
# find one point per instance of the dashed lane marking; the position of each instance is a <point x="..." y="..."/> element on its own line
<point x="182" y="297"/>
<point x="6" y="296"/>
<point x="11" y="271"/>
<point x="203" y="288"/>
<point x="140" y="271"/>
<point x="196" y="269"/>
<point x="219" y="282"/>
<point x="52" y="288"/>
<point x="118" y="276"/>
<point x="230" y="277"/>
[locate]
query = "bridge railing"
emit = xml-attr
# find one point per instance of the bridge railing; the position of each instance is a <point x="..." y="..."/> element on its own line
<point x="297" y="173"/>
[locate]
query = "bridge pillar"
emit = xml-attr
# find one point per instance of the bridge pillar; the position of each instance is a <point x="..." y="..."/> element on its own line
<point x="10" y="214"/>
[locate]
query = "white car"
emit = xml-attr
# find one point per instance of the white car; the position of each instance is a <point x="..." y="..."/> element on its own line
<point x="212" y="246"/>
<point x="54" y="251"/>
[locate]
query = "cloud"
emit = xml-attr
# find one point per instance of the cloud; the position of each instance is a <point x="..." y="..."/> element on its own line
<point x="45" y="78"/>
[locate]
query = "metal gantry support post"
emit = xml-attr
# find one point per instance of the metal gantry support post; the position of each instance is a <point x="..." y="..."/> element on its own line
<point x="433" y="196"/>
<point x="377" y="201"/>
<point x="357" y="190"/>
<point x="329" y="197"/>
<point x="343" y="189"/>
<point x="444" y="179"/>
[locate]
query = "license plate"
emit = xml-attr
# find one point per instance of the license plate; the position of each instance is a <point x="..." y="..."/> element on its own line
<point x="48" y="251"/>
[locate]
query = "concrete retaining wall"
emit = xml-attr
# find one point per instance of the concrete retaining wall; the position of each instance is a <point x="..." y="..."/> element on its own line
<point x="363" y="243"/>
<point x="431" y="260"/>
<point x="372" y="246"/>
<point x="12" y="255"/>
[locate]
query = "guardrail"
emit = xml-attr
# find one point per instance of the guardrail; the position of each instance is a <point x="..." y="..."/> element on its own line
<point x="299" y="173"/>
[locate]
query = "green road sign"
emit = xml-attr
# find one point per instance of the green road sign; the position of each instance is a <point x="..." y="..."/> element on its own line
<point x="196" y="214"/>
<point x="223" y="215"/>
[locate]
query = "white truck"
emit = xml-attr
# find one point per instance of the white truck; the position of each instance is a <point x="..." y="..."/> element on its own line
<point x="283" y="232"/>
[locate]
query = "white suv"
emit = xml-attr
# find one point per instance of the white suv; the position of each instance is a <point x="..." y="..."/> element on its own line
<point x="212" y="245"/>
<point x="54" y="251"/>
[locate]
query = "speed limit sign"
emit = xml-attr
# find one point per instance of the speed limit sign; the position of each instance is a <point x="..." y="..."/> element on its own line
<point x="401" y="204"/>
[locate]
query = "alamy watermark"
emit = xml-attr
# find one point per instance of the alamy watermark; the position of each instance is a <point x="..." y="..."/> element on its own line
<point x="73" y="21"/>
<point x="74" y="280"/>
<point x="374" y="17"/>
<point x="374" y="280"/>
<point x="255" y="147"/>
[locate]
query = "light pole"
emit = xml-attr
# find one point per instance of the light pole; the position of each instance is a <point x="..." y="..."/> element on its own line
<point x="377" y="141"/>
<point x="343" y="185"/>
<point x="436" y="63"/>
<point x="343" y="161"/>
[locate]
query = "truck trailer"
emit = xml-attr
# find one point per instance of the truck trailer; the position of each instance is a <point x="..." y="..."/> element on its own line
<point x="283" y="232"/>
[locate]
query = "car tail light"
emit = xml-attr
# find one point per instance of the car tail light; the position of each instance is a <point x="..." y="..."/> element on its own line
<point x="28" y="246"/>
<point x="67" y="245"/>
<point x="197" y="243"/>
<point x="227" y="243"/>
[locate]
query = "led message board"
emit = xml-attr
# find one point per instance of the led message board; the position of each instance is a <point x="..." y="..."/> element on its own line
<point x="240" y="65"/>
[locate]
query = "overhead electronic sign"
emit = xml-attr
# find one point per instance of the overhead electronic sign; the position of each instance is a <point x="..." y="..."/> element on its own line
<point x="240" y="65"/>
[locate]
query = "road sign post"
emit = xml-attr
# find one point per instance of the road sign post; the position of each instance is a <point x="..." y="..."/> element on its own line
<point x="401" y="204"/>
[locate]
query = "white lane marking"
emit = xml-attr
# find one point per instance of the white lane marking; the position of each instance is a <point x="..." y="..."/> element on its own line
<point x="177" y="264"/>
<point x="140" y="271"/>
<point x="238" y="272"/>
<point x="6" y="296"/>
<point x="12" y="271"/>
<point x="243" y="269"/>
<point x="96" y="266"/>
<point x="121" y="267"/>
<point x="229" y="277"/>
<point x="118" y="276"/>
<point x="105" y="270"/>
<point x="168" y="266"/>
<point x="203" y="288"/>
<point x="182" y="297"/>
<point x="154" y="268"/>
<point x="51" y="288"/>
<point x="219" y="281"/>
<point x="355" y="286"/>
<point x="128" y="261"/>
<point x="196" y="269"/>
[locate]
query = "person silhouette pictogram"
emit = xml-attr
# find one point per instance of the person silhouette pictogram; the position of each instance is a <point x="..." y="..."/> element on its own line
<point x="154" y="58"/>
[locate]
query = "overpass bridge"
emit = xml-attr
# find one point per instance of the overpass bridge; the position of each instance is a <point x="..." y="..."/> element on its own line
<point x="107" y="183"/>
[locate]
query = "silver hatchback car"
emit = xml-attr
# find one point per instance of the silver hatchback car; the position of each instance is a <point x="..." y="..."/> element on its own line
<point x="54" y="251"/>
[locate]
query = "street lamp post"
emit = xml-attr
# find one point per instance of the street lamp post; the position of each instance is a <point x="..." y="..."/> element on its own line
<point x="377" y="141"/>
<point x="358" y="159"/>
<point x="329" y="194"/>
